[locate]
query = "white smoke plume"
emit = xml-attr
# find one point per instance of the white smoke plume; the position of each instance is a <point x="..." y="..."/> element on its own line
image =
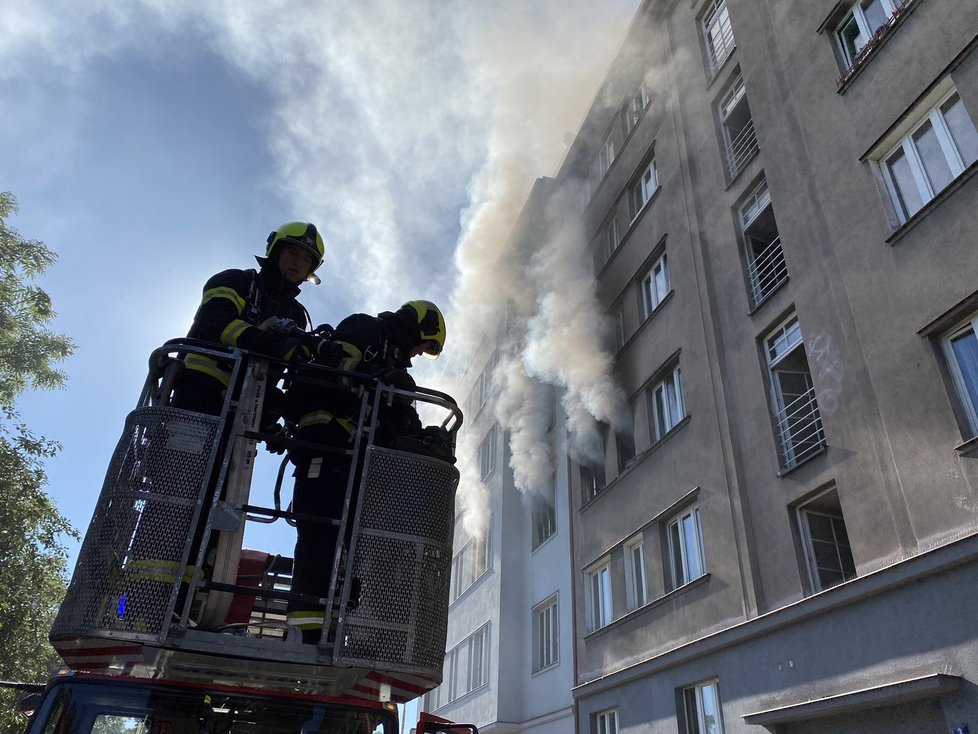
<point x="410" y="132"/>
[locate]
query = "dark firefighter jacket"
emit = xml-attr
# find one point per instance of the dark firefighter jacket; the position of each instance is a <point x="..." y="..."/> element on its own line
<point x="372" y="345"/>
<point x="234" y="303"/>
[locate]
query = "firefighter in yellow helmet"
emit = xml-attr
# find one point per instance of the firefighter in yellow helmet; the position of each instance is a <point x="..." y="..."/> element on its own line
<point x="237" y="306"/>
<point x="381" y="346"/>
<point x="236" y="310"/>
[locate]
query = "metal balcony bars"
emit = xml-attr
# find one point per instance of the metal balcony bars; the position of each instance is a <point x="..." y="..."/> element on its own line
<point x="766" y="270"/>
<point x="800" y="431"/>
<point x="741" y="149"/>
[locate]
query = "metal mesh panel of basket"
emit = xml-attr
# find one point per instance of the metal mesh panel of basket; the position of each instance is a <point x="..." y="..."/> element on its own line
<point x="403" y="561"/>
<point x="424" y="489"/>
<point x="131" y="555"/>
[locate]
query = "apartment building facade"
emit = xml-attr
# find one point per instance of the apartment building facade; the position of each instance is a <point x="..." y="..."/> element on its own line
<point x="780" y="201"/>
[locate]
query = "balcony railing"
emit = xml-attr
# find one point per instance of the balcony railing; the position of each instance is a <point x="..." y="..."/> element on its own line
<point x="800" y="430"/>
<point x="741" y="149"/>
<point x="766" y="271"/>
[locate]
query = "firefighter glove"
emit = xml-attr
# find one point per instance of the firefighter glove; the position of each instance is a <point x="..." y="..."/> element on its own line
<point x="295" y="350"/>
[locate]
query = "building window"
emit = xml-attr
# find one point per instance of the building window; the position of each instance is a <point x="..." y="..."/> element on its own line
<point x="666" y="404"/>
<point x="485" y="379"/>
<point x="606" y="722"/>
<point x="599" y="596"/>
<point x="636" y="590"/>
<point x="701" y="704"/>
<point x="625" y="448"/>
<point x="465" y="669"/>
<point x="797" y="419"/>
<point x="617" y="328"/>
<point x="635" y="107"/>
<point x="940" y="146"/>
<point x="826" y="542"/>
<point x="487" y="454"/>
<point x="471" y="560"/>
<point x="655" y="286"/>
<point x="766" y="268"/>
<point x="469" y="664"/>
<point x="739" y="139"/>
<point x="545" y="635"/>
<point x="961" y="351"/>
<point x="611" y="238"/>
<point x="544" y="514"/>
<point x="686" y="560"/>
<point x="592" y="481"/>
<point x="718" y="34"/>
<point x="863" y="21"/>
<point x="641" y="192"/>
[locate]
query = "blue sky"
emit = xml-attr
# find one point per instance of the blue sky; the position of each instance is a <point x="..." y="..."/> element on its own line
<point x="152" y="143"/>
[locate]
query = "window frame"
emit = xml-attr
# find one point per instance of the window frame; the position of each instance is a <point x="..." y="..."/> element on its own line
<point x="546" y="647"/>
<point x="590" y="486"/>
<point x="907" y="146"/>
<point x="718" y="11"/>
<point x="635" y="107"/>
<point x="814" y="573"/>
<point x="685" y="555"/>
<point x="858" y="14"/>
<point x="643" y="189"/>
<point x="636" y="579"/>
<point x="541" y="532"/>
<point x="470" y="562"/>
<point x="487" y="454"/>
<point x="967" y="400"/>
<point x="674" y="377"/>
<point x="779" y="344"/>
<point x="606" y="722"/>
<point x="693" y="698"/>
<point x="650" y="295"/>
<point x="600" y="606"/>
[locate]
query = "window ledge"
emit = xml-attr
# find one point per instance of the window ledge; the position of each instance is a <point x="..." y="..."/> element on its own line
<point x="468" y="589"/>
<point x="782" y="473"/>
<point x="931" y="205"/>
<point x="659" y="601"/>
<point x="934" y="686"/>
<point x="543" y="542"/>
<point x="969" y="449"/>
<point x="541" y="671"/>
<point x="875" y="44"/>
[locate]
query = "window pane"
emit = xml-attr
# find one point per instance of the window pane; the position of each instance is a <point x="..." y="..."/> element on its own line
<point x="932" y="156"/>
<point x="965" y="348"/>
<point x="962" y="129"/>
<point x="661" y="280"/>
<point x="692" y="712"/>
<point x="875" y="13"/>
<point x="676" y="555"/>
<point x="692" y="542"/>
<point x="711" y="710"/>
<point x="851" y="39"/>
<point x="907" y="191"/>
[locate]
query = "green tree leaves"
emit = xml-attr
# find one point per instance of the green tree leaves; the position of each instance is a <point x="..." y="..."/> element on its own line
<point x="34" y="559"/>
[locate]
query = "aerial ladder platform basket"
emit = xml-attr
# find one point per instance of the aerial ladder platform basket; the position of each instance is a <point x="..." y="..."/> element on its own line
<point x="163" y="589"/>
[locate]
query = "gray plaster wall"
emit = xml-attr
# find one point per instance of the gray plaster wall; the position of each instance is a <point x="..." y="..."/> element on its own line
<point x="864" y="289"/>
